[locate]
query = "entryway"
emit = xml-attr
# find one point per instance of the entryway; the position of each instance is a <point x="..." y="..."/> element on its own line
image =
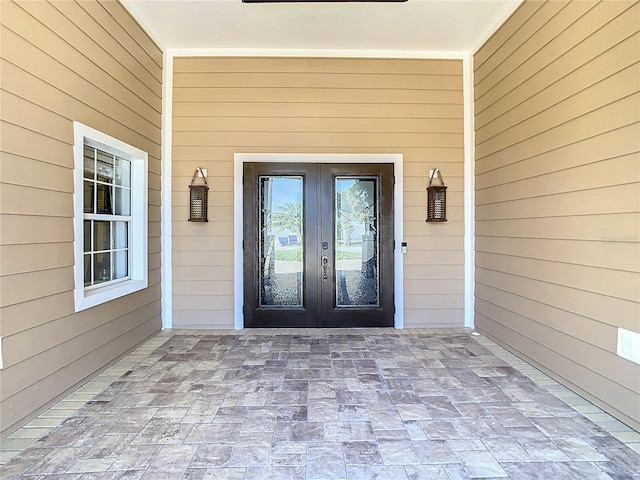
<point x="318" y="245"/>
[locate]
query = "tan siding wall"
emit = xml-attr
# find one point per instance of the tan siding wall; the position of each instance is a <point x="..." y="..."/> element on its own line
<point x="224" y="106"/>
<point x="557" y="99"/>
<point x="63" y="61"/>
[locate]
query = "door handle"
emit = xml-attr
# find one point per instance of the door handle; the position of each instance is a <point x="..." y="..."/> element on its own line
<point x="325" y="262"/>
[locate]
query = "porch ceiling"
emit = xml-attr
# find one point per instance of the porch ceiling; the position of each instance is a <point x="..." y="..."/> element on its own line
<point x="412" y="26"/>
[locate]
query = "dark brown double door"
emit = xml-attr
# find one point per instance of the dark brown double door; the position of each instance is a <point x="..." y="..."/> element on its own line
<point x="318" y="245"/>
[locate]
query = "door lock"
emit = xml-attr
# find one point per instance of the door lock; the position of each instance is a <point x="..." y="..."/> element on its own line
<point x="325" y="262"/>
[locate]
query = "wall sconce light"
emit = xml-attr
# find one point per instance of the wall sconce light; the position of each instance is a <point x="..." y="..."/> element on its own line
<point x="198" y="197"/>
<point x="436" y="198"/>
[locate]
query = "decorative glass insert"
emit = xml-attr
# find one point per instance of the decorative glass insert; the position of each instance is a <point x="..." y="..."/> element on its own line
<point x="356" y="242"/>
<point x="107" y="217"/>
<point x="281" y="247"/>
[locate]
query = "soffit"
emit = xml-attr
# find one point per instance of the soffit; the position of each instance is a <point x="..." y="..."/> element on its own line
<point x="412" y="26"/>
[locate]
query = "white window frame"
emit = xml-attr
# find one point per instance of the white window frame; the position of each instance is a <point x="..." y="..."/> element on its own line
<point x="86" y="297"/>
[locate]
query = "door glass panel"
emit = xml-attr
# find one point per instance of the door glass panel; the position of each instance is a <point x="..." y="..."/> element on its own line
<point x="281" y="270"/>
<point x="356" y="242"/>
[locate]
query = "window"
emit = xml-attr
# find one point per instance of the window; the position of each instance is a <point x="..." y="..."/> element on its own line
<point x="110" y="218"/>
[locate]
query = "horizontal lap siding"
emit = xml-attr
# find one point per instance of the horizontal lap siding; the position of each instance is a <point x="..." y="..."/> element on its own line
<point x="64" y="61"/>
<point x="557" y="105"/>
<point x="223" y="106"/>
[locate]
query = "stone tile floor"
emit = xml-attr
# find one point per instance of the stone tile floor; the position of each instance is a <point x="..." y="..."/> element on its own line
<point x="322" y="404"/>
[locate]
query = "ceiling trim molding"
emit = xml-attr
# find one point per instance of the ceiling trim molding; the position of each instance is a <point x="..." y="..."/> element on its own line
<point x="320" y="53"/>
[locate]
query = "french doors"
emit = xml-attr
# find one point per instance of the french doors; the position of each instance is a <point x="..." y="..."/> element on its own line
<point x="318" y="245"/>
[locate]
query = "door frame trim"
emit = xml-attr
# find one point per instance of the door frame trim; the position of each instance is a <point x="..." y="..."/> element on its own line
<point x="239" y="159"/>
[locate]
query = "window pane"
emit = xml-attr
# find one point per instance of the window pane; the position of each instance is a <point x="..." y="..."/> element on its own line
<point x="120" y="264"/>
<point x="105" y="205"/>
<point x="87" y="236"/>
<point x="120" y="234"/>
<point x="105" y="167"/>
<point x="88" y="196"/>
<point x="123" y="172"/>
<point x="89" y="163"/>
<point x="123" y="202"/>
<point x="101" y="235"/>
<point x="101" y="267"/>
<point x="87" y="270"/>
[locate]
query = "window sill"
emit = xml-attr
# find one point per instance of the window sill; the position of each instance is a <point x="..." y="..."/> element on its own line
<point x="91" y="298"/>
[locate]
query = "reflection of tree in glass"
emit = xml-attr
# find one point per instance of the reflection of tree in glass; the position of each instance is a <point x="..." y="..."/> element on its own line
<point x="288" y="218"/>
<point x="355" y="208"/>
<point x="266" y="220"/>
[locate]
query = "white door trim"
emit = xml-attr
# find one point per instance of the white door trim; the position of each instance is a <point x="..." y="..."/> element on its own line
<point x="241" y="158"/>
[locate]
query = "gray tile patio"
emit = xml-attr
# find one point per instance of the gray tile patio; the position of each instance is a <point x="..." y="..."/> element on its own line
<point x="322" y="404"/>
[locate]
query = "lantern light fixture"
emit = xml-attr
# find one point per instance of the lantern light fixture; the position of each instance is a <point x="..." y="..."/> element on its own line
<point x="436" y="198"/>
<point x="198" y="197"/>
